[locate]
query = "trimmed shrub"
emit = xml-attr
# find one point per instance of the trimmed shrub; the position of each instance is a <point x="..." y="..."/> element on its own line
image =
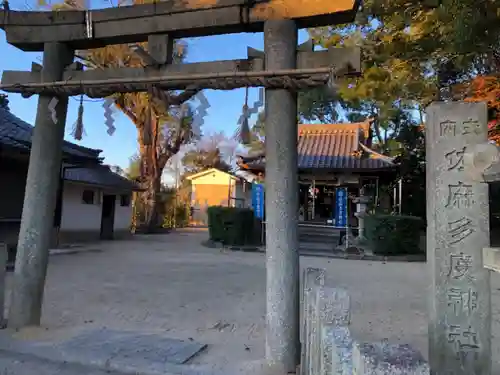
<point x="176" y="216"/>
<point x="393" y="234"/>
<point x="233" y="226"/>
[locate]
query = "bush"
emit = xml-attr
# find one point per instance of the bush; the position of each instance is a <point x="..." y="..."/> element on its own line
<point x="393" y="234"/>
<point x="177" y="217"/>
<point x="233" y="226"/>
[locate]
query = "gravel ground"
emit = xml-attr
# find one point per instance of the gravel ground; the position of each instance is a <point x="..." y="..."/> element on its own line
<point x="172" y="285"/>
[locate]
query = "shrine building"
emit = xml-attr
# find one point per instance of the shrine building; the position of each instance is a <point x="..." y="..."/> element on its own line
<point x="336" y="166"/>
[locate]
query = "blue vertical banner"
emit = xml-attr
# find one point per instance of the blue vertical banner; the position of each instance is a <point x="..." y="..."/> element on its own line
<point x="341" y="207"/>
<point x="258" y="200"/>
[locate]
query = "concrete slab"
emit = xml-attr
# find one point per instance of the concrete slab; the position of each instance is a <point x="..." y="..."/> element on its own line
<point x="11" y="364"/>
<point x="130" y="346"/>
<point x="124" y="352"/>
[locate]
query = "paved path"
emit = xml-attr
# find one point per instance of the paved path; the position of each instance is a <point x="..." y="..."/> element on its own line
<point x="170" y="284"/>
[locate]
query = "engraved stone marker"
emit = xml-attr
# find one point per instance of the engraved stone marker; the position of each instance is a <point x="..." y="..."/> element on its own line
<point x="313" y="278"/>
<point x="457" y="231"/>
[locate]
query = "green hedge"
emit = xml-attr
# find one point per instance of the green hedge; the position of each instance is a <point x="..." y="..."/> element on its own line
<point x="393" y="234"/>
<point x="233" y="226"/>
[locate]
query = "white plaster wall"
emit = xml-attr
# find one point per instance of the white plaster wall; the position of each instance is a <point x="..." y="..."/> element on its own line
<point x="123" y="215"/>
<point x="77" y="216"/>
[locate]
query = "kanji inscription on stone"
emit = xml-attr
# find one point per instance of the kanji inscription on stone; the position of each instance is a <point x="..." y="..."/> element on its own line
<point x="448" y="128"/>
<point x="455" y="159"/>
<point x="471" y="127"/>
<point x="457" y="231"/>
<point x="460" y="229"/>
<point x="460" y="266"/>
<point x="462" y="301"/>
<point x="465" y="341"/>
<point x="460" y="195"/>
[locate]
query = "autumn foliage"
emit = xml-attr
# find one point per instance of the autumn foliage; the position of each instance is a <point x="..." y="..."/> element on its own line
<point x="487" y="88"/>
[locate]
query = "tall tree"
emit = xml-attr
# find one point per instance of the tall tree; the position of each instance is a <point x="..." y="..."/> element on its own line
<point x="212" y="151"/>
<point x="388" y="88"/>
<point x="411" y="55"/>
<point x="163" y="123"/>
<point x="4" y="101"/>
<point x="319" y="105"/>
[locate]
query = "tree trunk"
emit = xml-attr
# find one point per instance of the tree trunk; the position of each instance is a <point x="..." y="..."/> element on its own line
<point x="152" y="201"/>
<point x="153" y="161"/>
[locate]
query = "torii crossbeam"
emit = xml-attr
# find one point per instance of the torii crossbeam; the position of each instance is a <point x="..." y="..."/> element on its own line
<point x="82" y="29"/>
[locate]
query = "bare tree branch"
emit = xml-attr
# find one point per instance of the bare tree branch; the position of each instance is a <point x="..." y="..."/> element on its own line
<point x="172" y="148"/>
<point x="183" y="97"/>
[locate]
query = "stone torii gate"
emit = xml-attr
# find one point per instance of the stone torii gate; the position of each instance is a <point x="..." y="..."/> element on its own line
<point x="280" y="69"/>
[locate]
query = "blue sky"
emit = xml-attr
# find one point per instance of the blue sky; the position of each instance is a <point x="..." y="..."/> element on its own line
<point x="223" y="114"/>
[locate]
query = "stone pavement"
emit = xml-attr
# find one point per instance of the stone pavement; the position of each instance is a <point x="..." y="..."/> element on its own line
<point x="172" y="286"/>
<point x="19" y="364"/>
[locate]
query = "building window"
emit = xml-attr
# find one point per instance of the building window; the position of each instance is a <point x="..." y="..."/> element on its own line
<point x="125" y="200"/>
<point x="88" y="197"/>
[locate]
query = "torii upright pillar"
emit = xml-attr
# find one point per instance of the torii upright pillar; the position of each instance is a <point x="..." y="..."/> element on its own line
<point x="40" y="195"/>
<point x="282" y="334"/>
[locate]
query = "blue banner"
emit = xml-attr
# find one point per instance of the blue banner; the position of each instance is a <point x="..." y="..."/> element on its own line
<point x="258" y="200"/>
<point x="341" y="207"/>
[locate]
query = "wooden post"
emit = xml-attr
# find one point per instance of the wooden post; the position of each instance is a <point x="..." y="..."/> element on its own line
<point x="457" y="232"/>
<point x="282" y="335"/>
<point x="40" y="195"/>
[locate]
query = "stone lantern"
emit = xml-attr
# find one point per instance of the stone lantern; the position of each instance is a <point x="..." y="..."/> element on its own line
<point x="361" y="206"/>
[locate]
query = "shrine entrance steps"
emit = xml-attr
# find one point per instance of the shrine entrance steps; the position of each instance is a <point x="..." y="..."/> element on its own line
<point x="318" y="236"/>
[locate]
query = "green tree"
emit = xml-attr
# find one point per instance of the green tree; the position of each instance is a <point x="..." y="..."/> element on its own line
<point x="411" y="160"/>
<point x="133" y="171"/>
<point x="412" y="54"/>
<point x="4" y="101"/>
<point x="388" y="88"/>
<point x="319" y="104"/>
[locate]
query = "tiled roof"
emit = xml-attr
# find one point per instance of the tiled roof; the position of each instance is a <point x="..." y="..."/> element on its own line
<point x="17" y="133"/>
<point x="332" y="146"/>
<point x="100" y="176"/>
